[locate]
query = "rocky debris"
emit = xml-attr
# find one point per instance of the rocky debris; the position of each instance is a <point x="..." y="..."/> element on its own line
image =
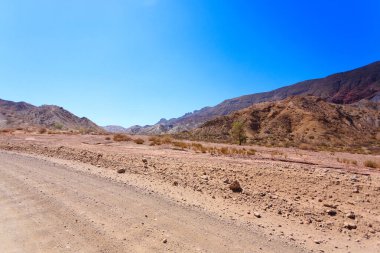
<point x="165" y="240"/>
<point x="331" y="212"/>
<point x="144" y="160"/>
<point x="354" y="178"/>
<point x="121" y="171"/>
<point x="330" y="205"/>
<point x="351" y="215"/>
<point x="356" y="190"/>
<point x="235" y="186"/>
<point x="349" y="225"/>
<point x="294" y="192"/>
<point x="318" y="241"/>
<point x="204" y="177"/>
<point x="257" y="215"/>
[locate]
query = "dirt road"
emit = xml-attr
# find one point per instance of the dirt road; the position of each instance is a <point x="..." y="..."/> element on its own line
<point x="47" y="207"/>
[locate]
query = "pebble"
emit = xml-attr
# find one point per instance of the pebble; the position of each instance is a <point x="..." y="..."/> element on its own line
<point x="331" y="212"/>
<point x="351" y="215"/>
<point x="257" y="215"/>
<point x="120" y="171"/>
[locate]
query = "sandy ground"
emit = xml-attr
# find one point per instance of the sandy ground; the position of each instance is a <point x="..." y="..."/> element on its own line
<point x="292" y="200"/>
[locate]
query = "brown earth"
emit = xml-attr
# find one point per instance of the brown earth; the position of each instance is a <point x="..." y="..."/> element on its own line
<point x="316" y="201"/>
<point x="301" y="121"/>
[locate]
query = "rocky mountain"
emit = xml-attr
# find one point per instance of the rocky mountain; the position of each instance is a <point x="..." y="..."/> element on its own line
<point x="342" y="88"/>
<point x="23" y="115"/>
<point x="300" y="120"/>
<point x="115" y="129"/>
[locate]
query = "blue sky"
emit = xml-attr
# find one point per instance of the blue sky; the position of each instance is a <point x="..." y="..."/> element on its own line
<point x="132" y="62"/>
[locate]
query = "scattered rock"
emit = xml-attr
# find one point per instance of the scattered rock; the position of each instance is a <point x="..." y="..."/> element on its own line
<point x="355" y="178"/>
<point x="165" y="240"/>
<point x="356" y="190"/>
<point x="120" y="171"/>
<point x="257" y="215"/>
<point x="226" y="181"/>
<point x="204" y="177"/>
<point x="318" y="241"/>
<point x="144" y="160"/>
<point x="175" y="183"/>
<point x="331" y="212"/>
<point x="349" y="226"/>
<point x="235" y="187"/>
<point x="330" y="205"/>
<point x="351" y="215"/>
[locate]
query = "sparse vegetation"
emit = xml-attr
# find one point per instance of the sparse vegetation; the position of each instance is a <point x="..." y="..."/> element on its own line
<point x="57" y="126"/>
<point x="121" y="137"/>
<point x="371" y="164"/>
<point x="139" y="141"/>
<point x="238" y="133"/>
<point x="181" y="145"/>
<point x="42" y="130"/>
<point x="347" y="161"/>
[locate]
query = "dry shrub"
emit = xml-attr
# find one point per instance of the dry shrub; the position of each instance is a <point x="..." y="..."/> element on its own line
<point x="197" y="146"/>
<point x="347" y="161"/>
<point x="121" y="137"/>
<point x="42" y="130"/>
<point x="224" y="151"/>
<point x="306" y="146"/>
<point x="139" y="141"/>
<point x="182" y="145"/>
<point x="155" y="141"/>
<point x="251" y="151"/>
<point x="371" y="164"/>
<point x="166" y="140"/>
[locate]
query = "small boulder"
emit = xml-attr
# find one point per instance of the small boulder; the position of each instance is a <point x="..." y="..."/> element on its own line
<point x="351" y="215"/>
<point x="235" y="187"/>
<point x="204" y="177"/>
<point x="349" y="226"/>
<point x="330" y="205"/>
<point x="331" y="212"/>
<point x="121" y="171"/>
<point x="257" y="215"/>
<point x="165" y="240"/>
<point x="175" y="183"/>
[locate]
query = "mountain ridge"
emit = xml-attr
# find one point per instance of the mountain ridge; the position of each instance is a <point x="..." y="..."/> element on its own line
<point x="22" y="114"/>
<point x="341" y="88"/>
<point x="299" y="120"/>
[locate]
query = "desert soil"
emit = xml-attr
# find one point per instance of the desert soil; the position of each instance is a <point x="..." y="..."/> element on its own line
<point x="61" y="193"/>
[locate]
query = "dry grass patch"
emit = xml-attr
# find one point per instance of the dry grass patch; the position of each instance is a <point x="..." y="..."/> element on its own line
<point x="121" y="137"/>
<point x="181" y="145"/>
<point x="371" y="164"/>
<point x="139" y="141"/>
<point x="42" y="131"/>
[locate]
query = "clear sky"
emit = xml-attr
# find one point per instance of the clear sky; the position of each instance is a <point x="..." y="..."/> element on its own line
<point x="132" y="62"/>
